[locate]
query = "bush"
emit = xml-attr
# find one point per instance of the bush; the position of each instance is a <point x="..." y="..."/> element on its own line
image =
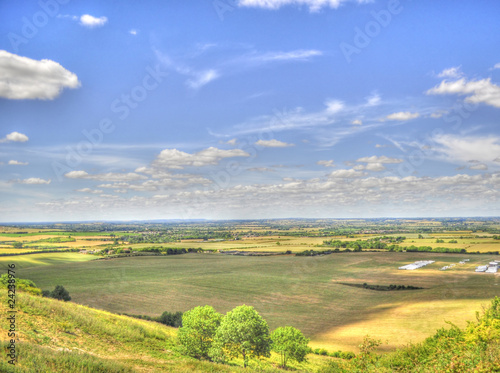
<point x="59" y="293"/>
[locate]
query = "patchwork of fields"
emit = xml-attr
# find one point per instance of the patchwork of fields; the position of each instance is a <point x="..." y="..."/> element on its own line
<point x="301" y="291"/>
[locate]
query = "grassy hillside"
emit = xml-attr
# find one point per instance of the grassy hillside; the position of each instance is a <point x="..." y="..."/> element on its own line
<point x="305" y="292"/>
<point x="66" y="337"/>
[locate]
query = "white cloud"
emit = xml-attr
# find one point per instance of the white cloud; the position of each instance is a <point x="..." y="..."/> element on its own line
<point x="90" y="21"/>
<point x="13" y="162"/>
<point x="438" y="114"/>
<point x="402" y="116"/>
<point x="300" y="54"/>
<point x="348" y="174"/>
<point x="133" y="32"/>
<point x="88" y="190"/>
<point x="477" y="91"/>
<point x="452" y="72"/>
<point x="357" y="122"/>
<point x="177" y="159"/>
<point x="23" y="78"/>
<point x="232" y="142"/>
<point x="202" y="78"/>
<point x="382" y="146"/>
<point x="33" y="180"/>
<point x="497" y="66"/>
<point x="376" y="167"/>
<point x="327" y="163"/>
<point x="381" y="159"/>
<point x="334" y="106"/>
<point x="15" y="137"/>
<point x="373" y="100"/>
<point x="479" y="166"/>
<point x="314" y="5"/>
<point x="464" y="148"/>
<point x="110" y="176"/>
<point x="261" y="169"/>
<point x="273" y="144"/>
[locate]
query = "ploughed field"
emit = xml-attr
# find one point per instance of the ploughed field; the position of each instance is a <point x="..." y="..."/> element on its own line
<point x="305" y="292"/>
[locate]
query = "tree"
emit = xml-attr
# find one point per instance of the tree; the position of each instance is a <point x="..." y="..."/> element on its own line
<point x="198" y="330"/>
<point x="171" y="319"/>
<point x="60" y="293"/>
<point x="242" y="332"/>
<point x="290" y="343"/>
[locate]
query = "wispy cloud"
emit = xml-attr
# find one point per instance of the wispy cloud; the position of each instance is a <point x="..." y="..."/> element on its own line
<point x="401" y="116"/>
<point x="202" y="78"/>
<point x="452" y="72"/>
<point x="32" y="181"/>
<point x="313" y="5"/>
<point x="273" y="143"/>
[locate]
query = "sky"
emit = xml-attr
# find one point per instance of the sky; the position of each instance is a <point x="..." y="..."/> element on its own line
<point x="247" y="109"/>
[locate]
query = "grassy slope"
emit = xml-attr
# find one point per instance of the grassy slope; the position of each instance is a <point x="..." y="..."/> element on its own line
<point x="66" y="337"/>
<point x="286" y="290"/>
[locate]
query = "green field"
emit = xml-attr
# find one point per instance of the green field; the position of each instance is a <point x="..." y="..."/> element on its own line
<point x="287" y="290"/>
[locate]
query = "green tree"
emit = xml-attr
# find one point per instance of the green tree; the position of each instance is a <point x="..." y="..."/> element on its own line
<point x="60" y="293"/>
<point x="198" y="330"/>
<point x="242" y="332"/>
<point x="290" y="343"/>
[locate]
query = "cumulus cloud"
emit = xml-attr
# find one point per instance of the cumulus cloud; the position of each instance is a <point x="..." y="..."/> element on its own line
<point x="497" y="66"/>
<point x="177" y="159"/>
<point x="133" y="32"/>
<point x="32" y="181"/>
<point x="313" y="5"/>
<point x="476" y="91"/>
<point x="23" y="78"/>
<point x="273" y="144"/>
<point x="375" y="167"/>
<point x="13" y="162"/>
<point x="90" y="21"/>
<point x="357" y="122"/>
<point x="455" y="148"/>
<point x="232" y="142"/>
<point x="15" y="137"/>
<point x="381" y="159"/>
<point x="327" y="163"/>
<point x="402" y="116"/>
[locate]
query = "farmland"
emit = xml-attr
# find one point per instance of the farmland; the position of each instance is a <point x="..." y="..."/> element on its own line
<point x="305" y="292"/>
<point x="308" y="292"/>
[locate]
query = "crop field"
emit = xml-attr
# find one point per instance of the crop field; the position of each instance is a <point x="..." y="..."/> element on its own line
<point x="305" y="292"/>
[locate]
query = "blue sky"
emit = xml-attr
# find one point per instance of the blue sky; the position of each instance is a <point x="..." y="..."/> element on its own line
<point x="248" y="109"/>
